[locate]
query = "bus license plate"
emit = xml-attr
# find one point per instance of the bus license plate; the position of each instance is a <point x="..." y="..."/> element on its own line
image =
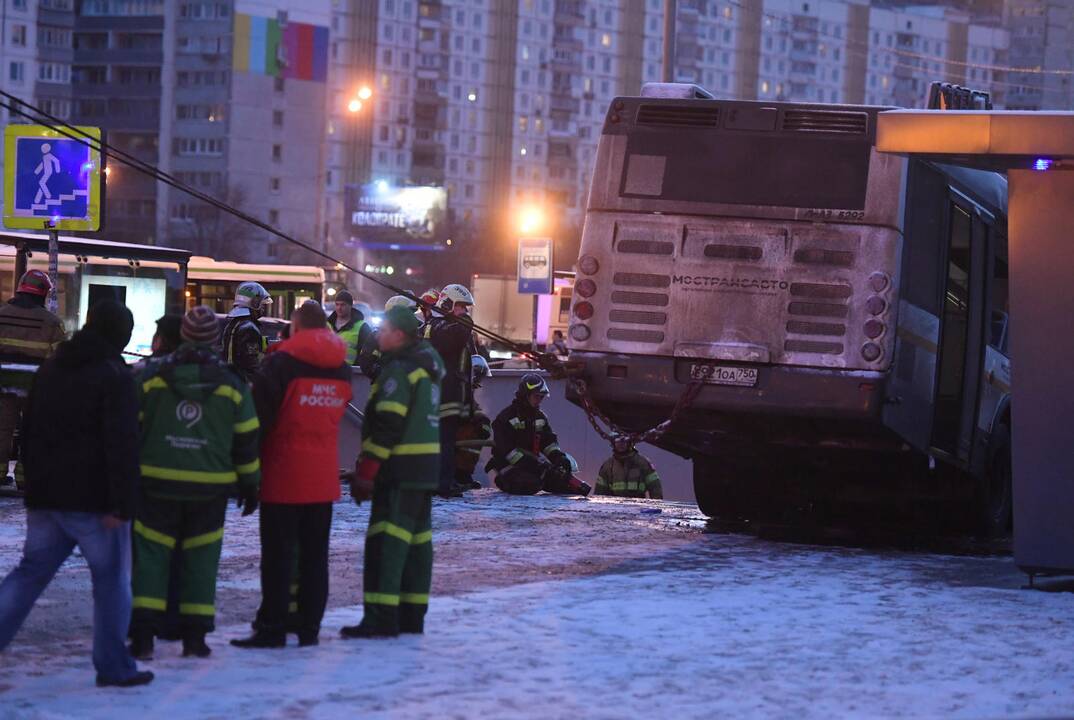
<point x="724" y="375"/>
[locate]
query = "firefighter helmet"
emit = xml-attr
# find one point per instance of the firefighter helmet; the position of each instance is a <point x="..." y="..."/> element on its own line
<point x="399" y="301"/>
<point x="252" y="295"/>
<point x="481" y="369"/>
<point x="455" y="294"/>
<point x="35" y="282"/>
<point x="533" y="383"/>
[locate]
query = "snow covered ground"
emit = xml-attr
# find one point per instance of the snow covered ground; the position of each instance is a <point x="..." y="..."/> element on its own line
<point x="548" y="608"/>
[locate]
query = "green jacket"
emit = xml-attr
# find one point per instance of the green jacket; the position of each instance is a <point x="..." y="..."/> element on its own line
<point x="199" y="427"/>
<point x="402" y="418"/>
<point x="628" y="476"/>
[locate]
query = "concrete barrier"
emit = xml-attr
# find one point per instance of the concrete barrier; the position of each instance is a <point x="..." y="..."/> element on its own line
<point x="576" y="436"/>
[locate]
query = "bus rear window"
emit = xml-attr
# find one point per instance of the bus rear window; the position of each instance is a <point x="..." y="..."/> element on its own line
<point x="709" y="166"/>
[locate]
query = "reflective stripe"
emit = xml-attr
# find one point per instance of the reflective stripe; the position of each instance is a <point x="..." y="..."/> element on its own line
<point x="392" y="407"/>
<point x="247" y="425"/>
<point x="539" y="423"/>
<point x="517" y="423"/>
<point x="382" y="599"/>
<point x="28" y="344"/>
<point x="294" y="588"/>
<point x="422" y="538"/>
<point x="195" y="476"/>
<point x="153" y="536"/>
<point x="514" y="456"/>
<point x="206" y="539"/>
<point x="652" y="477"/>
<point x="551" y="448"/>
<point x="416" y="375"/>
<point x="414" y="598"/>
<point x="376" y="450"/>
<point x="229" y="392"/>
<point x="417" y="449"/>
<point x="149" y="603"/>
<point x="628" y="486"/>
<point x="450" y="409"/>
<point x="292" y="607"/>
<point x="248" y="468"/>
<point x="196" y="609"/>
<point x="390" y="529"/>
<point x="474" y="451"/>
<point x="154" y="383"/>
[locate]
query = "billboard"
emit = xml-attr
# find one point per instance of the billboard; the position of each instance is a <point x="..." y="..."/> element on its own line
<point x="398" y="218"/>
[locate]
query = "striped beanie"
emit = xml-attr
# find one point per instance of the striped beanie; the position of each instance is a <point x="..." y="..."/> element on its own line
<point x="200" y="326"/>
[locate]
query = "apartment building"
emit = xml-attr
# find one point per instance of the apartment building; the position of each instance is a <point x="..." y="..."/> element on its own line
<point x="1042" y="42"/>
<point x="18" y="57"/>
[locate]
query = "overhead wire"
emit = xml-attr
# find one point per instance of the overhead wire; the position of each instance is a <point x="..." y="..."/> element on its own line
<point x="16" y="105"/>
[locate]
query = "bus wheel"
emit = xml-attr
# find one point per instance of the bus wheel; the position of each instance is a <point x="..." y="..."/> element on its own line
<point x="714" y="488"/>
<point x="995" y="499"/>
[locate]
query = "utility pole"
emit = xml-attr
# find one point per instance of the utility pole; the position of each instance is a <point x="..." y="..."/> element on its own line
<point x="670" y="13"/>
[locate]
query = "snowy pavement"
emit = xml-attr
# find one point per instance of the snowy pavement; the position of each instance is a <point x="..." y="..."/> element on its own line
<point x="549" y="608"/>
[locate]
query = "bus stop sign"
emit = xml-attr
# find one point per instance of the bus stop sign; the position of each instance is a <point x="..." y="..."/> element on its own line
<point x="535" y="266"/>
<point x="50" y="180"/>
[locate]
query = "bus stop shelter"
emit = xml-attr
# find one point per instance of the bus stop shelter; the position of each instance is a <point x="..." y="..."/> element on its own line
<point x="1036" y="150"/>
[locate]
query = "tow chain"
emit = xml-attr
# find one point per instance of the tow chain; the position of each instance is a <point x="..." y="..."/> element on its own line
<point x="596" y="417"/>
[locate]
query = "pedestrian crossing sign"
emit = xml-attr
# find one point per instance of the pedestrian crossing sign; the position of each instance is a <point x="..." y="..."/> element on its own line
<point x="51" y="181"/>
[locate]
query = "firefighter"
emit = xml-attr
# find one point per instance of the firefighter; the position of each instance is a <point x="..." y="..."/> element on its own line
<point x="525" y="452"/>
<point x="628" y="473"/>
<point x="28" y="335"/>
<point x="474" y="434"/>
<point x="369" y="355"/>
<point x="453" y="338"/>
<point x="398" y="467"/>
<point x="199" y="446"/>
<point x="242" y="342"/>
<point x="429" y="299"/>
<point x="349" y="323"/>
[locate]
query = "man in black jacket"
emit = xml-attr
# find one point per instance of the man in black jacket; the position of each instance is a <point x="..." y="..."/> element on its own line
<point x="81" y="459"/>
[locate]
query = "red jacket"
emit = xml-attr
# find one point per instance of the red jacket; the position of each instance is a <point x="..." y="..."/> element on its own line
<point x="301" y="392"/>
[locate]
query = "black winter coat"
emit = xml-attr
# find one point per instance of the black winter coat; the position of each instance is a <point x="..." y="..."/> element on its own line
<point x="80" y="431"/>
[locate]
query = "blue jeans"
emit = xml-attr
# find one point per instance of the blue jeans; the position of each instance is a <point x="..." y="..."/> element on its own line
<point x="51" y="536"/>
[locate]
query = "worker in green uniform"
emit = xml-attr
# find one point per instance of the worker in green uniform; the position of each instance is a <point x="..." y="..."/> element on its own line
<point x="399" y="468"/>
<point x="628" y="473"/>
<point x="199" y="446"/>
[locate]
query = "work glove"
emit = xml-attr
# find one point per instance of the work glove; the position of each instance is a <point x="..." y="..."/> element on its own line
<point x="247" y="499"/>
<point x="365" y="472"/>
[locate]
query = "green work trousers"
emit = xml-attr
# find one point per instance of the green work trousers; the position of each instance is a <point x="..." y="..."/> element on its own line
<point x="196" y="529"/>
<point x="398" y="559"/>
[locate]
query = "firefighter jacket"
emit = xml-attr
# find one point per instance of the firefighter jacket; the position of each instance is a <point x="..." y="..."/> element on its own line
<point x="453" y="339"/>
<point x="243" y="344"/>
<point x="355" y="333"/>
<point x="522" y="431"/>
<point x="28" y="334"/>
<point x="402" y="423"/>
<point x="301" y="392"/>
<point x="199" y="427"/>
<point x="369" y="356"/>
<point x="630" y="475"/>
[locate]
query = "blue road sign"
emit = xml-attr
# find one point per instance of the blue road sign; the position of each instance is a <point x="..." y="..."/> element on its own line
<point x="50" y="177"/>
<point x="535" y="266"/>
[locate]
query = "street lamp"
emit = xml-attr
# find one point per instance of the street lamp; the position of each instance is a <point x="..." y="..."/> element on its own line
<point x="530" y="220"/>
<point x="354" y="105"/>
<point x="365" y="93"/>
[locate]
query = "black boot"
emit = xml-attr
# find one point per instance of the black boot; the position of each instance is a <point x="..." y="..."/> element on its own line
<point x="141" y="647"/>
<point x="262" y="639"/>
<point x="143" y="677"/>
<point x="365" y="631"/>
<point x="194" y="644"/>
<point x="308" y="639"/>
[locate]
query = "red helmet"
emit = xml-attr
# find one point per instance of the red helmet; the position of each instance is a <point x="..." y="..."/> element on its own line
<point x="35" y="282"/>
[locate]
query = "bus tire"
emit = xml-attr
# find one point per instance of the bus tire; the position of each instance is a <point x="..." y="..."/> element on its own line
<point x="995" y="490"/>
<point x="714" y="488"/>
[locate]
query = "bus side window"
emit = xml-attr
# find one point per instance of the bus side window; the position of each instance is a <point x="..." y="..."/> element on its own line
<point x="999" y="303"/>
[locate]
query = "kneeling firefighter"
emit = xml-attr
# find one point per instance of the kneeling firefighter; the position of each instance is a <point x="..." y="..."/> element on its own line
<point x="525" y="452"/>
<point x="474" y="433"/>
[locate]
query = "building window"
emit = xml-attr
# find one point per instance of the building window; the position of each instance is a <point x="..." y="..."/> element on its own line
<point x="277" y="153"/>
<point x="274" y="217"/>
<point x="15" y="72"/>
<point x="278" y="85"/>
<point x="18" y="35"/>
<point x="606" y="40"/>
<point x="274" y="184"/>
<point x="277" y="118"/>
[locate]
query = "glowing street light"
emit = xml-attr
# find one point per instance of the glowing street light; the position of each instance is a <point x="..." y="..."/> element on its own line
<point x="354" y="105"/>
<point x="365" y="93"/>
<point x="530" y="221"/>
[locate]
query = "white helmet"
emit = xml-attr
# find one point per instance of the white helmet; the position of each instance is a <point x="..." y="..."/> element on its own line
<point x="453" y="294"/>
<point x="397" y="301"/>
<point x="480" y="369"/>
<point x="251" y="296"/>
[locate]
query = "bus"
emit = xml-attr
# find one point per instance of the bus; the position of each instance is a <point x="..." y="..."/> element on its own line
<point x="148" y="279"/>
<point x="213" y="283"/>
<point x="845" y="310"/>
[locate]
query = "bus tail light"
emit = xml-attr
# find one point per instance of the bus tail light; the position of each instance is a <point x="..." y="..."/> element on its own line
<point x="873" y="328"/>
<point x="580" y="333"/>
<point x="583" y="310"/>
<point x="870" y="351"/>
<point x="876" y="305"/>
<point x="585" y="288"/>
<point x="588" y="264"/>
<point x="879" y="281"/>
